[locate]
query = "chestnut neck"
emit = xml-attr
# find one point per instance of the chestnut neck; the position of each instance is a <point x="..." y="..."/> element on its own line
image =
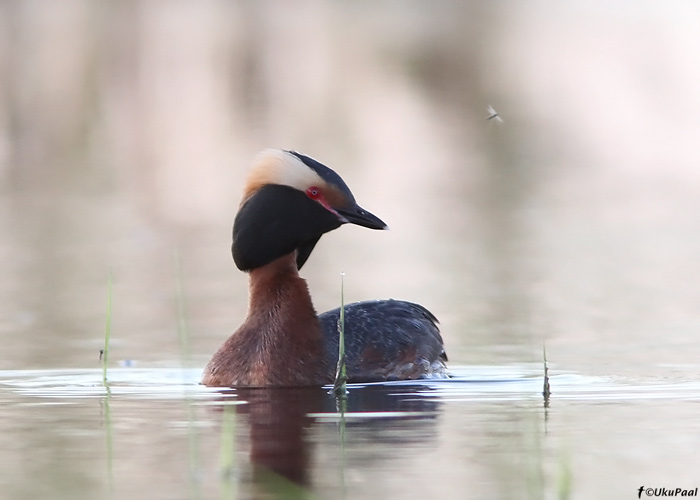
<point x="281" y="342"/>
<point x="270" y="283"/>
<point x="279" y="299"/>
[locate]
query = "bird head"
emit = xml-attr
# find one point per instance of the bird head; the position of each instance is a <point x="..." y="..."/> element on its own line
<point x="289" y="201"/>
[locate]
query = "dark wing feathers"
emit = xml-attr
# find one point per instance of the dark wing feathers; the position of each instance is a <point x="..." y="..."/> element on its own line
<point x="387" y="339"/>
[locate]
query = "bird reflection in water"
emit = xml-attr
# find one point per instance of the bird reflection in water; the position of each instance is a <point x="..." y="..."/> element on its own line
<point x="279" y="421"/>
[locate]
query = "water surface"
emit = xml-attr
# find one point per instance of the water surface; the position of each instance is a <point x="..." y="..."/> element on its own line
<point x="485" y="433"/>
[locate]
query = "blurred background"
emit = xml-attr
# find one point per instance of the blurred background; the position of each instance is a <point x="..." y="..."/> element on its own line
<point x="126" y="129"/>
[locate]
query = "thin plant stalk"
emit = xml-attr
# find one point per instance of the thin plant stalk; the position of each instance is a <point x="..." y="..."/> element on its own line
<point x="341" y="406"/>
<point x="109" y="442"/>
<point x="104" y="356"/>
<point x="546" y="392"/>
<point x="227" y="456"/>
<point x="340" y="386"/>
<point x="564" y="484"/>
<point x="185" y="352"/>
<point x="108" y="329"/>
<point x="183" y="335"/>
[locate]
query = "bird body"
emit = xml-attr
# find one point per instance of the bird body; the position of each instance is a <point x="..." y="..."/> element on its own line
<point x="289" y="202"/>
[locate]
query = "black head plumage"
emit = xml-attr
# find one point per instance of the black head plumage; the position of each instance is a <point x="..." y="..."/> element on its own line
<point x="275" y="218"/>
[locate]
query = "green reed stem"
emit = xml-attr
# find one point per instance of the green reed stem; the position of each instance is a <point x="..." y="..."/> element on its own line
<point x="109" y="441"/>
<point x="108" y="328"/>
<point x="545" y="389"/>
<point x="183" y="336"/>
<point x="341" y="377"/>
<point x="104" y="356"/>
<point x="183" y="333"/>
<point x="227" y="464"/>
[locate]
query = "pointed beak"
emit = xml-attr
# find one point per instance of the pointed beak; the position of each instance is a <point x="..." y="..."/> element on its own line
<point x="361" y="217"/>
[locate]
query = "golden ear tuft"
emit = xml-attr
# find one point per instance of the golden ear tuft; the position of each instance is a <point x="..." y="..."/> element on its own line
<point x="274" y="166"/>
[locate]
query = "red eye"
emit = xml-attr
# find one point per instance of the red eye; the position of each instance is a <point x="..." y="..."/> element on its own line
<point x="313" y="192"/>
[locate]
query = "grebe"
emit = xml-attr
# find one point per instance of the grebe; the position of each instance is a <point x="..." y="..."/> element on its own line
<point x="289" y="201"/>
